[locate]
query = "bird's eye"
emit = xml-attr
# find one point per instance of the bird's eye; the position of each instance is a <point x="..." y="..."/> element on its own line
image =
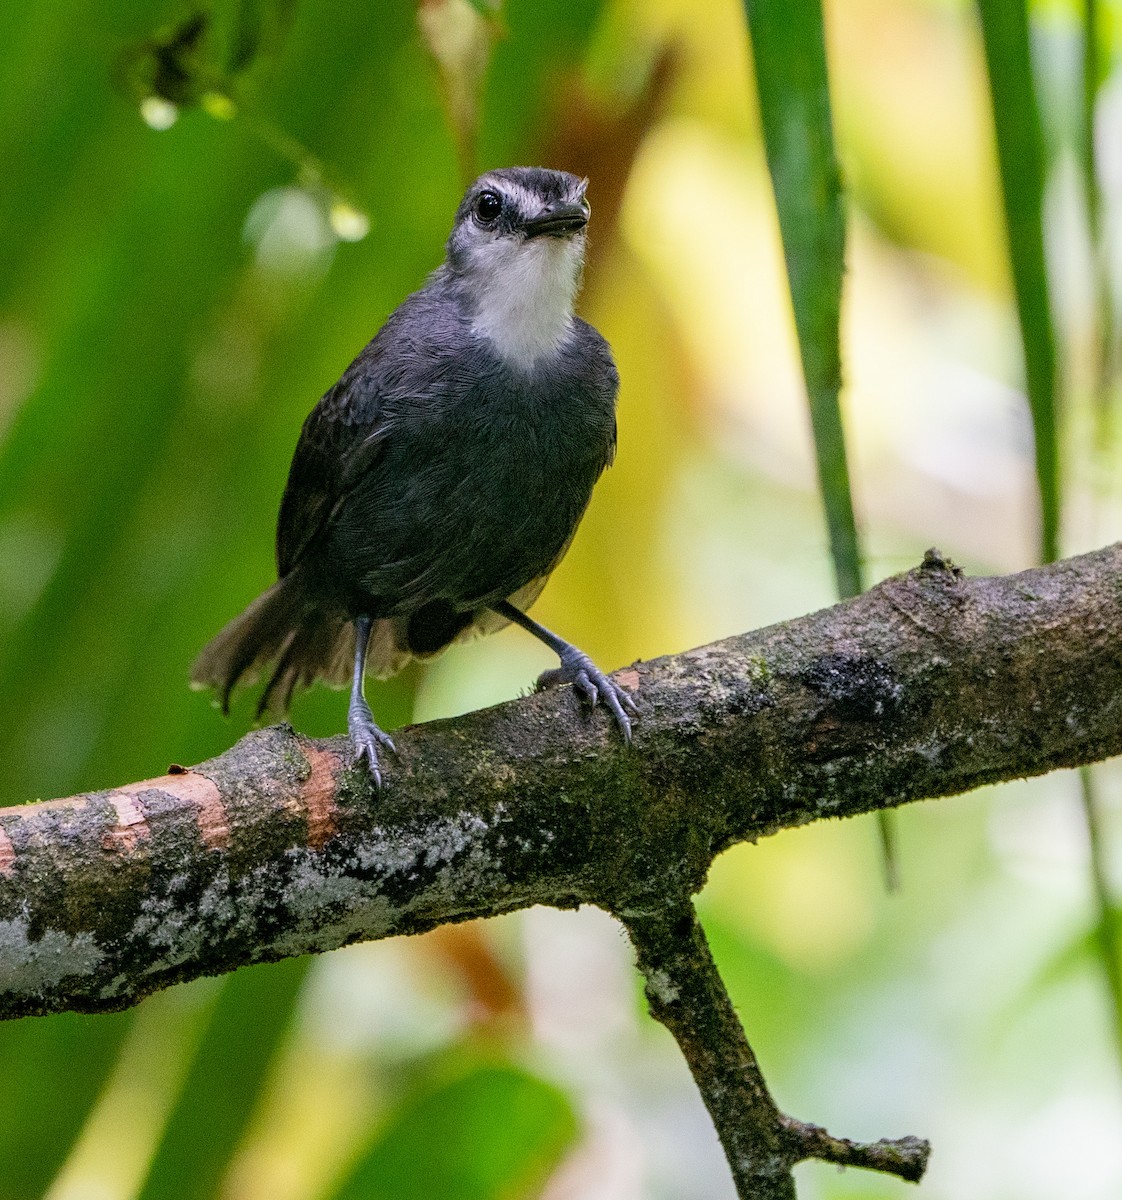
<point x="488" y="206"/>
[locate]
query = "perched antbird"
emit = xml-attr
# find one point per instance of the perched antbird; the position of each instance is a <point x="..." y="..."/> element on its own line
<point x="439" y="482"/>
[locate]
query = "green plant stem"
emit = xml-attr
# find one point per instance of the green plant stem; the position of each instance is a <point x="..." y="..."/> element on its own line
<point x="1020" y="156"/>
<point x="792" y="81"/>
<point x="1109" y="948"/>
<point x="1104" y="333"/>
<point x="789" y="50"/>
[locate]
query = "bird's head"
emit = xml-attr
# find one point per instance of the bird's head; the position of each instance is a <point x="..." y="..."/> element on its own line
<point x="517" y="247"/>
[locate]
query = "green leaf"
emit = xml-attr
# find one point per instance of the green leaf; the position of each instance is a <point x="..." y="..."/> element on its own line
<point x="118" y="313"/>
<point x="1094" y="75"/>
<point x="1097" y="945"/>
<point x="789" y="49"/>
<point x="459" y="38"/>
<point x="1020" y="154"/>
<point x="1079" y="952"/>
<point x="495" y="1133"/>
<point x="250" y="1018"/>
<point x="52" y="1070"/>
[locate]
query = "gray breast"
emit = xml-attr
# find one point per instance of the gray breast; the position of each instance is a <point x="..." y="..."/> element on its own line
<point x="484" y="479"/>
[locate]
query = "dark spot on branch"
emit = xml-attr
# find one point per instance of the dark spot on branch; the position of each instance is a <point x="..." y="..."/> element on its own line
<point x="744" y="700"/>
<point x="858" y="689"/>
<point x="862" y="700"/>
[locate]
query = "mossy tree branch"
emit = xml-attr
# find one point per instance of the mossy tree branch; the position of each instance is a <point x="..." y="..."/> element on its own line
<point x="928" y="685"/>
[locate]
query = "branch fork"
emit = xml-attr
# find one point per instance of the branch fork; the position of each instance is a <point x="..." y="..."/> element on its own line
<point x="281" y="847"/>
<point x="685" y="993"/>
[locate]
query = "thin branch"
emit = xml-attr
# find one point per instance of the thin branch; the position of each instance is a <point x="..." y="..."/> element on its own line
<point x="685" y="993"/>
<point x="906" y="1157"/>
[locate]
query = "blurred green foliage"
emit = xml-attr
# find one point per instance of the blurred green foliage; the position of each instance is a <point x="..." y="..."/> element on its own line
<point x="174" y="295"/>
<point x="52" y="1070"/>
<point x="494" y="1132"/>
<point x="247" y="1020"/>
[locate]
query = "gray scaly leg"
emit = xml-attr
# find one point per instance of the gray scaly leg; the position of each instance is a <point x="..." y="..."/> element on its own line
<point x="365" y="735"/>
<point x="576" y="668"/>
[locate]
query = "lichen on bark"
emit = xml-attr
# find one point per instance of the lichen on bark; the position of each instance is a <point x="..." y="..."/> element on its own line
<point x="928" y="685"/>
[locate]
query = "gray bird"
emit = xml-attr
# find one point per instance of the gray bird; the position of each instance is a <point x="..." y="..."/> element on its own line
<point x="439" y="482"/>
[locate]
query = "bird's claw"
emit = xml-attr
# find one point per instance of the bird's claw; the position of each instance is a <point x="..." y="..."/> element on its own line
<point x="591" y="684"/>
<point x="366" y="737"/>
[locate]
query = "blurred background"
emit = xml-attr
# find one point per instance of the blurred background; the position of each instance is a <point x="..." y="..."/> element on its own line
<point x="205" y="215"/>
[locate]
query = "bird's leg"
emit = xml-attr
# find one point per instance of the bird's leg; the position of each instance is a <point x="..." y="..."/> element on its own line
<point x="576" y="668"/>
<point x="365" y="735"/>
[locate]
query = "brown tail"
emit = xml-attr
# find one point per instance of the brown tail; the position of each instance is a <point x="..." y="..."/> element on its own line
<point x="307" y="642"/>
<point x="283" y="626"/>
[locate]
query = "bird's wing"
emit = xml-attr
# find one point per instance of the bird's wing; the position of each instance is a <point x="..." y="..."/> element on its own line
<point x="340" y="441"/>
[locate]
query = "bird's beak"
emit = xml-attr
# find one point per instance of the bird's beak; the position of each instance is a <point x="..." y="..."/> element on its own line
<point x="559" y="220"/>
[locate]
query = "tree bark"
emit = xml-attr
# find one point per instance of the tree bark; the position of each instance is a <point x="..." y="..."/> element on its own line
<point x="928" y="685"/>
<point x="685" y="993"/>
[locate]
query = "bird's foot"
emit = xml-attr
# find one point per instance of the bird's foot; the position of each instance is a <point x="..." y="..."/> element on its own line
<point x="593" y="685"/>
<point x="366" y="737"/>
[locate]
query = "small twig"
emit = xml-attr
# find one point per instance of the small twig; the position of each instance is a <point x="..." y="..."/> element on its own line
<point x="685" y="993"/>
<point x="906" y="1157"/>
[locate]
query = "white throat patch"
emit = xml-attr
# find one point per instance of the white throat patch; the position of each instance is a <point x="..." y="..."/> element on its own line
<point x="524" y="292"/>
